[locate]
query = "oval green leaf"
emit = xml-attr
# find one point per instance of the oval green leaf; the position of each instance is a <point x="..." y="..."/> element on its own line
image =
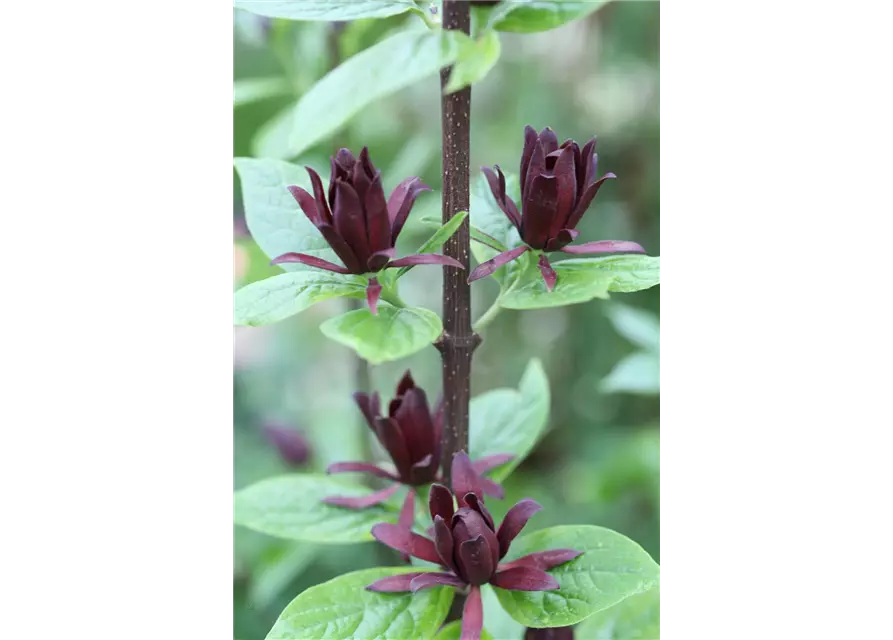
<point x="276" y="222"/>
<point x="640" y="327"/>
<point x="440" y="236"/>
<point x="637" y="373"/>
<point x="453" y="631"/>
<point x="510" y="420"/>
<point x="636" y="618"/>
<point x="279" y="297"/>
<point x="326" y="10"/>
<point x="530" y="16"/>
<point x="291" y="507"/>
<point x="380" y="70"/>
<point x="342" y="609"/>
<point x="250" y="90"/>
<point x="474" y="60"/>
<point x="392" y="334"/>
<point x="611" y="569"/>
<point x="575" y="285"/>
<point x="629" y="272"/>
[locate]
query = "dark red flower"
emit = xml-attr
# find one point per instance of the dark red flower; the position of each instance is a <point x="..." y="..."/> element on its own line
<point x="358" y="222"/>
<point x="470" y="547"/>
<point x="410" y="433"/>
<point x="557" y="186"/>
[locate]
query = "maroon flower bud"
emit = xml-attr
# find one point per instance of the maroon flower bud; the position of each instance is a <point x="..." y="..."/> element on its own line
<point x="411" y="434"/>
<point x="557" y="186"/>
<point x="358" y="222"/>
<point x="291" y="444"/>
<point x="469" y="546"/>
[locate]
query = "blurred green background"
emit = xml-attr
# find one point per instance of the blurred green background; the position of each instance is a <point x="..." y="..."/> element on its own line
<point x="599" y="461"/>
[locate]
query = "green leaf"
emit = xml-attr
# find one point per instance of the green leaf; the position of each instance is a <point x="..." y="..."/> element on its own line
<point x="271" y="138"/>
<point x="251" y="90"/>
<point x="440" y="236"/>
<point x="575" y="285"/>
<point x="326" y="10"/>
<point x="637" y="373"/>
<point x="342" y="609"/>
<point x="291" y="507"/>
<point x="392" y="334"/>
<point x="611" y="569"/>
<point x="453" y="631"/>
<point x="279" y="297"/>
<point x="380" y="70"/>
<point x="474" y="60"/>
<point x="530" y="16"/>
<point x="510" y="420"/>
<point x="640" y="327"/>
<point x="636" y="618"/>
<point x="276" y="222"/>
<point x="276" y="569"/>
<point x="490" y="223"/>
<point x="629" y="272"/>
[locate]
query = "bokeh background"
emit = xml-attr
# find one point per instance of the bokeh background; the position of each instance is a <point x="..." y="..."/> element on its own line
<point x="599" y="461"/>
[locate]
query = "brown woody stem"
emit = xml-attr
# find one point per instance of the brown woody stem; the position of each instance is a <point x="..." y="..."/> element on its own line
<point x="458" y="341"/>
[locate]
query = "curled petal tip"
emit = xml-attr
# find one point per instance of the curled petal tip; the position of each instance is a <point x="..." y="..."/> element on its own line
<point x="609" y="175"/>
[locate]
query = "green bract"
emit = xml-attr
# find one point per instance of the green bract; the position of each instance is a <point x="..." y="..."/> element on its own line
<point x="281" y="296"/>
<point x="326" y="10"/>
<point x="636" y="618"/>
<point x="530" y="16"/>
<point x="392" y="334"/>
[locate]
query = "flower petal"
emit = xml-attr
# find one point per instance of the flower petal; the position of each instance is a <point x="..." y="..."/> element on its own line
<point x="311" y="261"/>
<point x="566" y="184"/>
<point x="514" y="521"/>
<point x="391" y="438"/>
<point x="549" y="140"/>
<point x="400" y="203"/>
<point x="605" y="246"/>
<point x="529" y="144"/>
<point x="440" y="502"/>
<point x="307" y="204"/>
<point x="443" y="542"/>
<point x="475" y="560"/>
<point x="586" y="200"/>
<point x="434" y="579"/>
<point x="487" y="463"/>
<point x="478" y="505"/>
<point x="543" y="560"/>
<point x="535" y="167"/>
<point x="341" y="248"/>
<point x="319" y="195"/>
<point x="491" y="488"/>
<point x="424" y="470"/>
<point x="360" y="467"/>
<point x="472" y="615"/>
<point x="548" y="272"/>
<point x="406" y="383"/>
<point x="540" y="207"/>
<point x="497" y="187"/>
<point x="584" y="166"/>
<point x="401" y="539"/>
<point x="368" y="405"/>
<point x="407" y="511"/>
<point x="426" y="258"/>
<point x="564" y="238"/>
<point x="373" y="292"/>
<point x="362" y="502"/>
<point x="379" y="260"/>
<point x="378" y="224"/>
<point x="394" y="584"/>
<point x="486" y="268"/>
<point x="416" y="425"/>
<point x="465" y="480"/>
<point x="350" y="221"/>
<point x="524" y="579"/>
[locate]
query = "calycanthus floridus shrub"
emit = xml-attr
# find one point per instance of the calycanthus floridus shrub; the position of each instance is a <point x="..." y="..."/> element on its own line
<point x="340" y="241"/>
